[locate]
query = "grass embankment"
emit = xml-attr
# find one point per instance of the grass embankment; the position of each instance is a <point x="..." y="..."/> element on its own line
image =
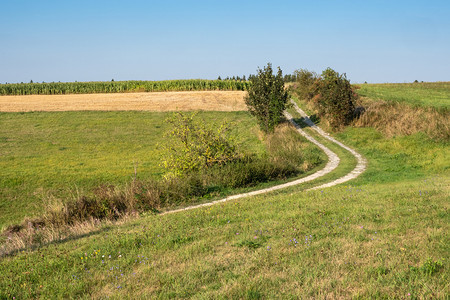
<point x="405" y="109"/>
<point x="385" y="235"/>
<point x="60" y="88"/>
<point x="429" y="94"/>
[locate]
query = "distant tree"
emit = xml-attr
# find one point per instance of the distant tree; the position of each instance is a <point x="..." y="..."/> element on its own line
<point x="243" y="78"/>
<point x="112" y="79"/>
<point x="218" y="78"/>
<point x="31" y="81"/>
<point x="304" y="84"/>
<point x="267" y="98"/>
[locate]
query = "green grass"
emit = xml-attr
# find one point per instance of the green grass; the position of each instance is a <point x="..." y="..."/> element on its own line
<point x="372" y="238"/>
<point x="433" y="94"/>
<point x="57" y="153"/>
<point x="382" y="235"/>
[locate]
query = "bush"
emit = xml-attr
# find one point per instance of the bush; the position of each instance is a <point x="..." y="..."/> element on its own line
<point x="267" y="98"/>
<point x="197" y="146"/>
<point x="334" y="98"/>
<point x="304" y="84"/>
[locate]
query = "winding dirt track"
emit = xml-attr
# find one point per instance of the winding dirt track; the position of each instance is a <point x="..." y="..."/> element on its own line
<point x="333" y="162"/>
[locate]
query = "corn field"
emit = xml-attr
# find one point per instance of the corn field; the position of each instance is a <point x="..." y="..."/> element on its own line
<point x="61" y="88"/>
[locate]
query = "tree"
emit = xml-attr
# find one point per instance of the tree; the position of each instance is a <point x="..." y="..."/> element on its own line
<point x="197" y="146"/>
<point x="304" y="84"/>
<point x="267" y="98"/>
<point x="335" y="97"/>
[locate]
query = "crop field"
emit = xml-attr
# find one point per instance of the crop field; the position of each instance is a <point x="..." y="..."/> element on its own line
<point x="430" y="94"/>
<point x="156" y="101"/>
<point x="62" y="88"/>
<point x="382" y="235"/>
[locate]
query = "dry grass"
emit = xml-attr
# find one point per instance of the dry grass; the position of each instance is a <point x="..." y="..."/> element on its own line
<point x="158" y="101"/>
<point x="395" y="119"/>
<point x="35" y="236"/>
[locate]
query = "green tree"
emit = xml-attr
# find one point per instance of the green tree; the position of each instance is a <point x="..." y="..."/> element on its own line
<point x="267" y="98"/>
<point x="335" y="98"/>
<point x="304" y="84"/>
<point x="197" y="146"/>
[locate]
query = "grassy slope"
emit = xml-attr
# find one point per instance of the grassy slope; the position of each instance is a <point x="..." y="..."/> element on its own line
<point x="383" y="235"/>
<point x="371" y="238"/>
<point x="434" y="94"/>
<point x="59" y="152"/>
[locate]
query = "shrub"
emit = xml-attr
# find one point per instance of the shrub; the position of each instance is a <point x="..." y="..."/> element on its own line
<point x="197" y="146"/>
<point x="304" y="84"/>
<point x="334" y="98"/>
<point x="267" y="98"/>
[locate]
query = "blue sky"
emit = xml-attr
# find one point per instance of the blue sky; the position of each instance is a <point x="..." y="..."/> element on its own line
<point x="96" y="40"/>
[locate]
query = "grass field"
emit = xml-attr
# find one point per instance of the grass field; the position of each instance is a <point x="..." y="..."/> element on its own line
<point x="383" y="235"/>
<point x="431" y="94"/>
<point x="56" y="153"/>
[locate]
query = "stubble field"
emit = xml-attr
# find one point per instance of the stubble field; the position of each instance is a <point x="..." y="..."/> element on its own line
<point x="157" y="101"/>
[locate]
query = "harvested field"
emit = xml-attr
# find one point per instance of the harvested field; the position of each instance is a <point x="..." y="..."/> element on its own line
<point x="157" y="101"/>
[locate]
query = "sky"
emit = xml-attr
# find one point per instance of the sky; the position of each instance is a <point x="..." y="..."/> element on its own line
<point x="97" y="40"/>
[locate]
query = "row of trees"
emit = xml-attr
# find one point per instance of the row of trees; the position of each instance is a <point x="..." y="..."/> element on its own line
<point x="287" y="78"/>
<point x="330" y="94"/>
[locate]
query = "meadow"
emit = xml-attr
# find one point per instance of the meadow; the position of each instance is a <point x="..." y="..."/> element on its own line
<point x="59" y="153"/>
<point x="382" y="235"/>
<point x="428" y="94"/>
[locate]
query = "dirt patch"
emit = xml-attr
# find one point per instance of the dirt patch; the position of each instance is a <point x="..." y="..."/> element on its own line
<point x="158" y="101"/>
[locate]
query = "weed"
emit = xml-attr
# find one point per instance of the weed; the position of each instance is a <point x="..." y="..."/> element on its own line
<point x="431" y="267"/>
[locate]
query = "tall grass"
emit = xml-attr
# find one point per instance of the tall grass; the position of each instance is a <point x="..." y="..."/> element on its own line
<point x="396" y="119"/>
<point x="60" y="88"/>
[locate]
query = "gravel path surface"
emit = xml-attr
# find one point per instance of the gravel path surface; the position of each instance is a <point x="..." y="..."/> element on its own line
<point x="333" y="162"/>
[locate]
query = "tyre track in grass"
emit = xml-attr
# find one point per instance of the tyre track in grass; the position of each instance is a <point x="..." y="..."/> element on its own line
<point x="361" y="164"/>
<point x="333" y="162"/>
